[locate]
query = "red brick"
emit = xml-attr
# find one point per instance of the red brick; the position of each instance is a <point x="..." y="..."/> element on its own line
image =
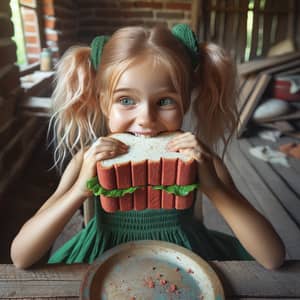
<point x="31" y="49"/>
<point x="30" y="28"/>
<point x="8" y="54"/>
<point x="151" y="23"/>
<point x="65" y="14"/>
<point x="48" y="2"/>
<point x="48" y="10"/>
<point x="124" y="13"/>
<point x="142" y="4"/>
<point x="28" y="15"/>
<point x="31" y="3"/>
<point x="50" y="23"/>
<point x="170" y="15"/>
<point x="31" y="39"/>
<point x="67" y="25"/>
<point x="7" y="28"/>
<point x="97" y="3"/>
<point x="32" y="60"/>
<point x="10" y="81"/>
<point x="52" y="37"/>
<point x="179" y="5"/>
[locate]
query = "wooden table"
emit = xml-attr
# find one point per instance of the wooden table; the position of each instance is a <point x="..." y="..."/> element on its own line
<point x="241" y="280"/>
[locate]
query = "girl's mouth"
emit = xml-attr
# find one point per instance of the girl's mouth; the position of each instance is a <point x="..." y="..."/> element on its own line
<point x="145" y="134"/>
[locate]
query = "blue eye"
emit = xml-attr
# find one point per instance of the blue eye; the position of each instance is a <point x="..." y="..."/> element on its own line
<point x="127" y="101"/>
<point x="166" y="101"/>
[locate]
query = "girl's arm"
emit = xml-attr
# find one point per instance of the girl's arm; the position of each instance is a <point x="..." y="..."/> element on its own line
<point x="251" y="228"/>
<point x="38" y="234"/>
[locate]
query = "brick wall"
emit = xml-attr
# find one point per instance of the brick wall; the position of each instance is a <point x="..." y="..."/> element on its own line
<point x="48" y="23"/>
<point x="60" y="23"/>
<point x="29" y="14"/>
<point x="104" y="17"/>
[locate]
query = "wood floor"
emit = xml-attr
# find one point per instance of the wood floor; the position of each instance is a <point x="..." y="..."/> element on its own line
<point x="274" y="190"/>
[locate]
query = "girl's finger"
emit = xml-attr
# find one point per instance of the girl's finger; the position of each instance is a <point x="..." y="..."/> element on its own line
<point x="106" y="155"/>
<point x="181" y="145"/>
<point x="195" y="154"/>
<point x="116" y="142"/>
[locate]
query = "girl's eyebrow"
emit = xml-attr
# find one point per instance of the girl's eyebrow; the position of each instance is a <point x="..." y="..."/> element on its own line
<point x="162" y="90"/>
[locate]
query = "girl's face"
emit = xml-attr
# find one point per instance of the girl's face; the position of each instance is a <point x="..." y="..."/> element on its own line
<point x="145" y="101"/>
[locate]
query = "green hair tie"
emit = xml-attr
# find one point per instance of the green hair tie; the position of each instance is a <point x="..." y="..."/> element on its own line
<point x="185" y="35"/>
<point x="97" y="49"/>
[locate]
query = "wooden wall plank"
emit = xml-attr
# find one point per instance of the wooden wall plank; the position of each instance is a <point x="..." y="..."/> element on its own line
<point x="242" y="31"/>
<point x="255" y="28"/>
<point x="267" y="27"/>
<point x="269" y="62"/>
<point x="282" y="29"/>
<point x="246" y="90"/>
<point x="262" y="82"/>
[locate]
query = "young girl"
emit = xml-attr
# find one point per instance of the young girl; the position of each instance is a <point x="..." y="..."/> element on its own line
<point x="144" y="81"/>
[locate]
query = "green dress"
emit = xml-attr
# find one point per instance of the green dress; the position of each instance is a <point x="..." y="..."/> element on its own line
<point x="106" y="230"/>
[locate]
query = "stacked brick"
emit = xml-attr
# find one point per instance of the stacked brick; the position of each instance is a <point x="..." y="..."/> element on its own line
<point x="31" y="30"/>
<point x="60" y="25"/>
<point x="104" y="17"/>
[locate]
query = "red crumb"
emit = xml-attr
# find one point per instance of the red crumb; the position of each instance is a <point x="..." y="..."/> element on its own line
<point x="149" y="283"/>
<point x="163" y="282"/>
<point x="132" y="298"/>
<point x="177" y="269"/>
<point x="190" y="271"/>
<point x="172" y="288"/>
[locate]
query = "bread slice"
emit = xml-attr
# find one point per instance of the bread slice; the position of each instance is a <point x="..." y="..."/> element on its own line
<point x="147" y="164"/>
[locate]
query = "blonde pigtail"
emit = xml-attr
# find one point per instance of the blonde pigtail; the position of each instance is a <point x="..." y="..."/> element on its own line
<point x="77" y="119"/>
<point x="214" y="105"/>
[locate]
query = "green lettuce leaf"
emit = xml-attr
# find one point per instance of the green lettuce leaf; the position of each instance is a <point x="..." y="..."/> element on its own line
<point x="178" y="190"/>
<point x="94" y="186"/>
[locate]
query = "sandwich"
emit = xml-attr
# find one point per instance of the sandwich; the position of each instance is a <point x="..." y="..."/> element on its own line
<point x="148" y="176"/>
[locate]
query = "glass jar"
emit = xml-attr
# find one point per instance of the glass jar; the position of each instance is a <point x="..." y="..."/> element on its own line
<point x="46" y="59"/>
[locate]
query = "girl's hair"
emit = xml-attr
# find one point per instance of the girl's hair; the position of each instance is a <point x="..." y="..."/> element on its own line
<point x="82" y="97"/>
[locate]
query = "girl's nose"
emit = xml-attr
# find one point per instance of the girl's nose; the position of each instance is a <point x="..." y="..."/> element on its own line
<point x="146" y="116"/>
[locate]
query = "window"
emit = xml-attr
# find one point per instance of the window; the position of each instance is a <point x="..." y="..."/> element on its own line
<point x="27" y="30"/>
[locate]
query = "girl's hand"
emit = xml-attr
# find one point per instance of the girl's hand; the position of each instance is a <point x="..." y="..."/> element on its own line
<point x="103" y="148"/>
<point x="188" y="144"/>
